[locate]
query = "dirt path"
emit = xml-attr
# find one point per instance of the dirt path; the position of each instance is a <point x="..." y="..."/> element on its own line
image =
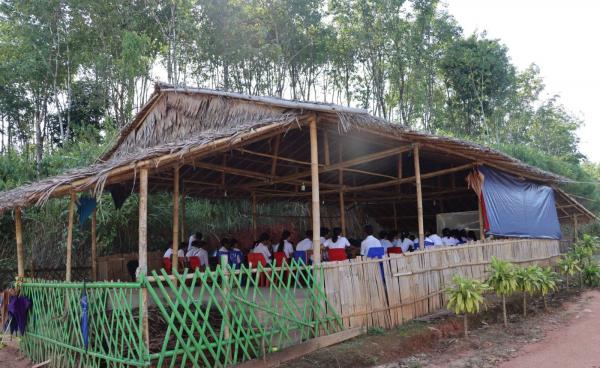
<point x="10" y="356"/>
<point x="576" y="344"/>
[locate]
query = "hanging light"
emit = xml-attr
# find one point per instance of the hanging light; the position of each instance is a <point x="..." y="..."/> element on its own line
<point x="303" y="187"/>
<point x="225" y="194"/>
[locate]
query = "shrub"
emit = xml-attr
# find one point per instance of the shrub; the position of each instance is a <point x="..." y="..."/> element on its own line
<point x="466" y="297"/>
<point x="591" y="275"/>
<point x="569" y="266"/>
<point x="503" y="281"/>
<point x="528" y="279"/>
<point x="547" y="283"/>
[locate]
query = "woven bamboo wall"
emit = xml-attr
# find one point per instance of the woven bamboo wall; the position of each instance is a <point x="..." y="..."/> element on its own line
<point x="373" y="293"/>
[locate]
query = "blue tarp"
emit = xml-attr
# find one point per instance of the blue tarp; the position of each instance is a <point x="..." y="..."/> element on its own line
<point x="517" y="208"/>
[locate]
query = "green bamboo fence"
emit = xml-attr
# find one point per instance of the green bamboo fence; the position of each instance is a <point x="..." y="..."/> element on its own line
<point x="199" y="319"/>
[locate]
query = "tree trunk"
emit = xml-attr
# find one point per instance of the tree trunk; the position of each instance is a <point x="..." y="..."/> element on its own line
<point x="545" y="303"/>
<point x="504" y="311"/>
<point x="466" y="324"/>
<point x="524" y="304"/>
<point x="567" y="282"/>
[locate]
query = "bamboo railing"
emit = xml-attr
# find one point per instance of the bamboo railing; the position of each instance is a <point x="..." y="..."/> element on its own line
<point x="386" y="293"/>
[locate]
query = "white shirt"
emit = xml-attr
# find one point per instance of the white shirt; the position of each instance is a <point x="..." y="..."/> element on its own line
<point x="369" y="242"/>
<point x="406" y="243"/>
<point x="435" y="238"/>
<point x="192" y="238"/>
<point x="449" y="241"/>
<point x="200" y="253"/>
<point x="169" y="253"/>
<point x="304" y="245"/>
<point x="288" y="248"/>
<point x="223" y="250"/>
<point x="386" y="244"/>
<point x="323" y="241"/>
<point x="264" y="250"/>
<point x="341" y="243"/>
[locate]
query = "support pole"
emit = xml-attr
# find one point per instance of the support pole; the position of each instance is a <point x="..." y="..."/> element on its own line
<point x="342" y="203"/>
<point x="175" y="244"/>
<point x="182" y="232"/>
<point x="419" y="197"/>
<point x="69" y="260"/>
<point x="19" y="238"/>
<point x="143" y="251"/>
<point x="314" y="175"/>
<point x="94" y="254"/>
<point x="481" y="227"/>
<point x="254" y="224"/>
<point x="575" y="228"/>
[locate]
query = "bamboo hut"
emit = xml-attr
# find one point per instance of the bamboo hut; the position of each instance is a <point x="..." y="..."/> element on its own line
<point x="214" y="144"/>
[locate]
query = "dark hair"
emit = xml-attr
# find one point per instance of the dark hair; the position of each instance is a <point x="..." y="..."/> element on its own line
<point x="225" y="242"/>
<point x="198" y="235"/>
<point x="324" y="231"/>
<point x="369" y="229"/>
<point x="309" y="233"/>
<point x="196" y="243"/>
<point x="263" y="237"/>
<point x="336" y="234"/>
<point x="233" y="241"/>
<point x="382" y="234"/>
<point x="284" y="235"/>
<point x="472" y="235"/>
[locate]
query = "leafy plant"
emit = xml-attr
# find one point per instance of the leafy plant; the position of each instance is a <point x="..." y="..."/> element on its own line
<point x="591" y="275"/>
<point x="503" y="281"/>
<point x="466" y="297"/>
<point x="569" y="266"/>
<point x="548" y="280"/>
<point x="528" y="279"/>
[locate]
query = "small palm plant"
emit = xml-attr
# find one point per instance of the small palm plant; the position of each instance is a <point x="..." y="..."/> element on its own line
<point x="503" y="281"/>
<point x="548" y="282"/>
<point x="528" y="279"/>
<point x="591" y="275"/>
<point x="466" y="297"/>
<point x="569" y="266"/>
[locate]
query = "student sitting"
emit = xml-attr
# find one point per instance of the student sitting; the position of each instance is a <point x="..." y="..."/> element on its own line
<point x="196" y="236"/>
<point x="236" y="256"/>
<point x="306" y="243"/>
<point x="197" y="249"/>
<point x="369" y="242"/>
<point x="284" y="245"/>
<point x="337" y="241"/>
<point x="169" y="253"/>
<point x="447" y="239"/>
<point x="471" y="235"/>
<point x="406" y="243"/>
<point x="224" y="246"/>
<point x="262" y="246"/>
<point x="435" y="239"/>
<point x="385" y="242"/>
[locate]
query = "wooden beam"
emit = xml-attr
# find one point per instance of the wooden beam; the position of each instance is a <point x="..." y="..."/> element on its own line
<point x="94" y="251"/>
<point x="314" y="176"/>
<point x="254" y="219"/>
<point x="408" y="179"/>
<point x="481" y="220"/>
<point x="175" y="239"/>
<point x="19" y="239"/>
<point x="342" y="204"/>
<point x="275" y="155"/>
<point x="69" y="260"/>
<point x="268" y="155"/>
<point x="326" y="148"/>
<point x="419" y="197"/>
<point x="143" y="249"/>
<point x="346" y="164"/>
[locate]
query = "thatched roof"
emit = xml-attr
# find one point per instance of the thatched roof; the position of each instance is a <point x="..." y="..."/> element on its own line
<point x="185" y="123"/>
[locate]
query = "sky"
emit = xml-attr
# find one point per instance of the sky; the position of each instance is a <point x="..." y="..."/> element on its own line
<point x="561" y="37"/>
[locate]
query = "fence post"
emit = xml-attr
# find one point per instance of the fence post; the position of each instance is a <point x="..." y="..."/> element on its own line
<point x="226" y="317"/>
<point x="19" y="239"/>
<point x="68" y="262"/>
<point x="143" y="253"/>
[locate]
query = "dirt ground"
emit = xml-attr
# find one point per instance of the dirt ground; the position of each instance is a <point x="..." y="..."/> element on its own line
<point x="10" y="357"/>
<point x="565" y="336"/>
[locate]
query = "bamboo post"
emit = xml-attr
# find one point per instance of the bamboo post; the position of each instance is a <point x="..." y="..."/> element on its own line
<point x="314" y="175"/>
<point x="275" y="155"/>
<point x="69" y="260"/>
<point x="481" y="225"/>
<point x="182" y="232"/>
<point x="419" y="197"/>
<point x="94" y="246"/>
<point x="175" y="245"/>
<point x="143" y="250"/>
<point x="342" y="203"/>
<point x="575" y="228"/>
<point x="19" y="238"/>
<point x="395" y="216"/>
<point x="226" y="315"/>
<point x="254" y="224"/>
